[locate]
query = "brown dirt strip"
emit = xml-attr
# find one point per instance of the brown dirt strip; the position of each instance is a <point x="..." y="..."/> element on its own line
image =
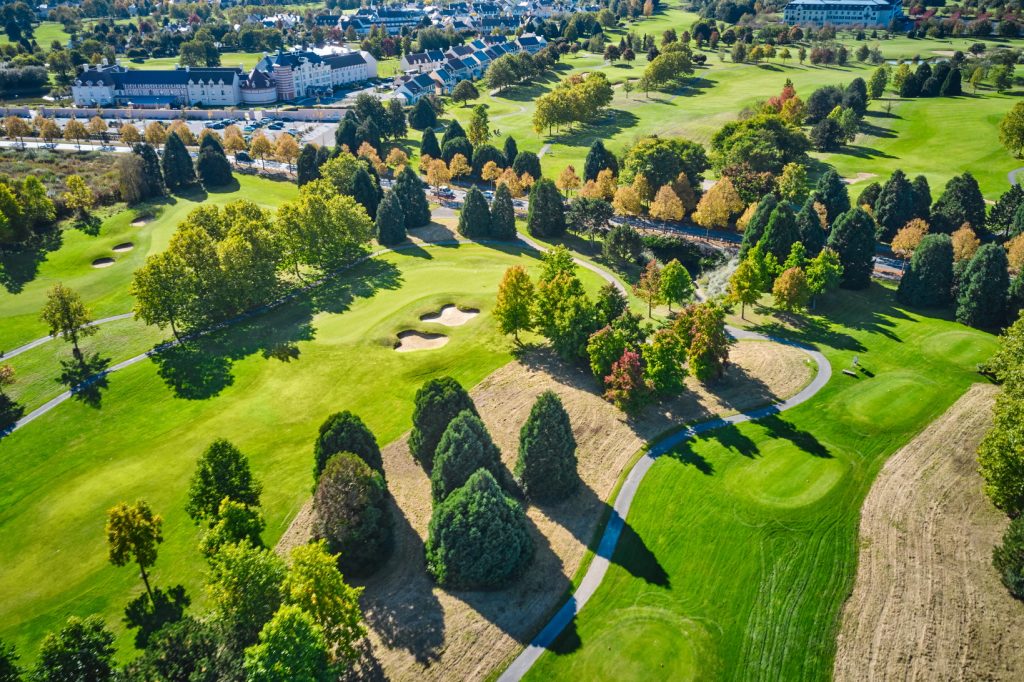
<point x="927" y="604"/>
<point x="419" y="631"/>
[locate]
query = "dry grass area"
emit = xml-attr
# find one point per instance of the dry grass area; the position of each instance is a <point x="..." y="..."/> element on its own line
<point x="927" y="604"/>
<point x="418" y="631"/>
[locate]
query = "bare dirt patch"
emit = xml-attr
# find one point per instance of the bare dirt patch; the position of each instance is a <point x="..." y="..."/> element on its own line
<point x="142" y="222"/>
<point x="419" y="631"/>
<point x="434" y="232"/>
<point x="103" y="262"/>
<point x="927" y="604"/>
<point x="411" y="340"/>
<point x="859" y="177"/>
<point x="451" y="316"/>
<point x="124" y="247"/>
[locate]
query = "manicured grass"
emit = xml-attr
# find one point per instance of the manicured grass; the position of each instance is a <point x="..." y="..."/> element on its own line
<point x="741" y="546"/>
<point x="45" y="33"/>
<point x="266" y="385"/>
<point x="246" y="60"/>
<point x="105" y="290"/>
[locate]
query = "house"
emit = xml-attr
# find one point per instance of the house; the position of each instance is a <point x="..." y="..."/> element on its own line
<point x="843" y="12"/>
<point x="415" y="88"/>
<point x="422" y="61"/>
<point x="531" y="43"/>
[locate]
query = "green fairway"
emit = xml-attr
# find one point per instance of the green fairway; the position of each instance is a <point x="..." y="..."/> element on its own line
<point x="266" y="385"/>
<point x="740" y="547"/>
<point x="45" y="33"/>
<point x="105" y="290"/>
<point x="246" y="60"/>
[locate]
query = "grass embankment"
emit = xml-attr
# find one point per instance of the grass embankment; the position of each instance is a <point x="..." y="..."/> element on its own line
<point x="741" y="546"/>
<point x="266" y="385"/>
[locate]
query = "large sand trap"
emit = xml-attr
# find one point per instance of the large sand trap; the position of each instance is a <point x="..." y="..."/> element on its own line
<point x="421" y="632"/>
<point x="927" y="604"/>
<point x="141" y="222"/>
<point x="451" y="316"/>
<point x="103" y="262"/>
<point x="411" y="340"/>
<point x="121" y="248"/>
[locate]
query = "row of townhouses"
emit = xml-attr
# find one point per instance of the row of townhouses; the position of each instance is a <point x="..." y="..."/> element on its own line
<point x="280" y="77"/>
<point x="437" y="72"/>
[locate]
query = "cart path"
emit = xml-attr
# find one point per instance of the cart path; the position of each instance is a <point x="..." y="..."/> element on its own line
<point x="38" y="342"/>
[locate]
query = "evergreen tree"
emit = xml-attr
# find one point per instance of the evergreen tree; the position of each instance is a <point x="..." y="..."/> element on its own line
<point x="478" y="537"/>
<point x="1002" y="217"/>
<point x="345" y="432"/>
<point x="351" y="513"/>
<point x="212" y="164"/>
<point x="453" y="131"/>
<point x="781" y="233"/>
<point x="610" y="304"/>
<point x="960" y="202"/>
<point x="365" y="191"/>
<point x="853" y="238"/>
<point x="153" y="177"/>
<point x="809" y="225"/>
<point x="422" y="116"/>
<point x="922" y="198"/>
<point x="390" y="221"/>
<point x="369" y="132"/>
<point x="429" y="146"/>
<point x="437" y="402"/>
<point x="177" y="164"/>
<point x="952" y="86"/>
<point x="410" y="192"/>
<point x="869" y="195"/>
<point x="546" y="468"/>
<point x="832" y="194"/>
<point x="475" y="216"/>
<point x="928" y="283"/>
<point x="527" y="162"/>
<point x="598" y="159"/>
<point x="483" y="153"/>
<point x="983" y="290"/>
<point x="465" y="447"/>
<point x="345" y="135"/>
<point x="503" y="215"/>
<point x="894" y="207"/>
<point x="306" y="168"/>
<point x="510" y="150"/>
<point x="546" y="214"/>
<point x="755" y="228"/>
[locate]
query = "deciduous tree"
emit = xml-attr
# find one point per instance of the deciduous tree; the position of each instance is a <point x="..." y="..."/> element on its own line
<point x="65" y="314"/>
<point x="133" y="532"/>
<point x="513" y="308"/>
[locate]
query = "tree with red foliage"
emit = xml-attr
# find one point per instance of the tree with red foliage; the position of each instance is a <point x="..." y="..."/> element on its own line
<point x="625" y="386"/>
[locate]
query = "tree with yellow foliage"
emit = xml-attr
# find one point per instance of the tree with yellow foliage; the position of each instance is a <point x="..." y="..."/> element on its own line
<point x="1015" y="252"/>
<point x="643" y="188"/>
<point x="74" y="131"/>
<point x="627" y="201"/>
<point x="718" y="205"/>
<point x="459" y="166"/>
<point x="181" y="129"/>
<point x="129" y="133"/>
<point x="261" y="148"/>
<point x="568" y="181"/>
<point x="490" y="172"/>
<point x="50" y="131"/>
<point x="681" y="186"/>
<point x="909" y="237"/>
<point x="286" y="150"/>
<point x="156" y="134"/>
<point x="509" y="178"/>
<point x="438" y="173"/>
<point x="666" y="205"/>
<point x="397" y="159"/>
<point x="965" y="243"/>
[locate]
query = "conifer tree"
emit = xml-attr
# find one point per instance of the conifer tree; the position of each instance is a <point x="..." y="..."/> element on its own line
<point x="503" y="215"/>
<point x="212" y="164"/>
<point x="781" y="232"/>
<point x="833" y="194"/>
<point x="465" y="447"/>
<point x="853" y="238"/>
<point x="429" y="145"/>
<point x="928" y="282"/>
<point x="546" y="214"/>
<point x="984" y="286"/>
<point x="598" y="159"/>
<point x="307" y="169"/>
<point x="177" y="164"/>
<point x="894" y="207"/>
<point x="413" y="197"/>
<point x="153" y="177"/>
<point x="546" y="468"/>
<point x="345" y="432"/>
<point x="758" y="223"/>
<point x="475" y="216"/>
<point x="390" y="221"/>
<point x="437" y="402"/>
<point x="809" y="226"/>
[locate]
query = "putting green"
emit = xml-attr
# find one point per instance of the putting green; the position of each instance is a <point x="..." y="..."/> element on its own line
<point x="784" y="476"/>
<point x="894" y="401"/>
<point x="965" y="348"/>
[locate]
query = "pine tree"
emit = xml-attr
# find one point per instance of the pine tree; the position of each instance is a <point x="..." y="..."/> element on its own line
<point x="546" y="214"/>
<point x="177" y="164"/>
<point x="212" y="165"/>
<point x="345" y="432"/>
<point x="152" y="174"/>
<point x="961" y="202"/>
<point x="952" y="86"/>
<point x="984" y="286"/>
<point x="809" y="226"/>
<point x="922" y="198"/>
<point x="758" y="222"/>
<point x="503" y="215"/>
<point x="781" y="232"/>
<point x="422" y="116"/>
<point x="365" y="191"/>
<point x="510" y="150"/>
<point x="413" y="197"/>
<point x="928" y="282"/>
<point x="465" y="447"/>
<point x="833" y="194"/>
<point x="546" y="468"/>
<point x="598" y="159"/>
<point x="894" y="207"/>
<point x="390" y="221"/>
<point x="475" y="217"/>
<point x="306" y="169"/>
<point x="437" y="402"/>
<point x="853" y="238"/>
<point x="453" y="131"/>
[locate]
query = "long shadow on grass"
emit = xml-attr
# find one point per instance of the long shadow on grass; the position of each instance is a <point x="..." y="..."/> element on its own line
<point x="85" y="378"/>
<point x="777" y="427"/>
<point x="200" y="368"/>
<point x="20" y="264"/>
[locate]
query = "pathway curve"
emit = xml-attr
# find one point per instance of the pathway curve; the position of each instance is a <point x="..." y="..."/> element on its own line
<point x="599" y="566"/>
<point x="38" y="342"/>
<point x="1012" y="175"/>
<point x="543" y="150"/>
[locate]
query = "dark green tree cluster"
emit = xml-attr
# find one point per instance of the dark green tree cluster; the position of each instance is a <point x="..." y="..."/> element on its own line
<point x="465" y="447"/>
<point x="546" y="214"/>
<point x="390" y="220"/>
<point x="853" y="237"/>
<point x="960" y="202"/>
<point x="546" y="468"/>
<point x="152" y="183"/>
<point x="928" y="282"/>
<point x="983" y="289"/>
<point x="212" y="165"/>
<point x="599" y="159"/>
<point x="25" y="210"/>
<point x="412" y="195"/>
<point x="177" y="164"/>
<point x="345" y="432"/>
<point x="311" y="158"/>
<point x="436" y="404"/>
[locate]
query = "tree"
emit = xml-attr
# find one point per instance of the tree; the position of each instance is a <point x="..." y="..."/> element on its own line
<point x="307" y="169"/>
<point x="648" y="287"/>
<point x="546" y="214"/>
<point x="65" y="314"/>
<point x="50" y="132"/>
<point x="662" y="159"/>
<point x="452" y="132"/>
<point x="261" y="148"/>
<point x="853" y="238"/>
<point x="527" y="162"/>
<point x="718" y="205"/>
<point x="212" y="165"/>
<point x="133" y="532"/>
<point x="832" y="193"/>
<point x="961" y="202"/>
<point x="701" y="328"/>
<point x="666" y="205"/>
<point x="827" y="135"/>
<point x="668" y="70"/>
<point x="177" y="164"/>
<point x="156" y="133"/>
<point x="792" y="183"/>
<point x="588" y="216"/>
<point x="894" y="206"/>
<point x="625" y="386"/>
<point x="598" y="159"/>
<point x="748" y="281"/>
<point x="676" y="284"/>
<point x="291" y="647"/>
<point x="74" y="130"/>
<point x="161" y="291"/>
<point x="390" y="220"/>
<point x="82" y="650"/>
<point x="1008" y="558"/>
<point x="422" y="116"/>
<point x="245" y="587"/>
<point x="510" y="150"/>
<point x="78" y="197"/>
<point x="6" y="379"/>
<point x="929" y="281"/>
<point x="757" y="223"/>
<point x="475" y="216"/>
<point x="1001" y="454"/>
<point x="459" y="167"/>
<point x="563" y="314"/>
<point x="152" y="176"/>
<point x="503" y="215"/>
<point x="345" y="432"/>
<point x="824" y="273"/>
<point x="791" y="291"/>
<point x="286" y="150"/>
<point x="1011" y="130"/>
<point x="409" y="190"/>
<point x="221" y="472"/>
<point x="627" y="201"/>
<point x="568" y="181"/>
<point x="781" y="232"/>
<point x="965" y="243"/>
<point x="513" y="308"/>
<point x="131" y="178"/>
<point x="352" y="515"/>
<point x="235" y="522"/>
<point x="315" y="585"/>
<point x="982" y="298"/>
<point x="97" y="127"/>
<point x="663" y="363"/>
<point x="465" y="447"/>
<point x="479" y="129"/>
<point x="437" y="402"/>
<point x="879" y="79"/>
<point x="546" y="467"/>
<point x="365" y="191"/>
<point x="464" y="91"/>
<point x="623" y="244"/>
<point x="9" y="670"/>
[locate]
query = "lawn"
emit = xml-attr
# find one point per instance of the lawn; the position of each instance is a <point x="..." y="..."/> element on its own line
<point x="266" y="385"/>
<point x="246" y="60"/>
<point x="28" y="276"/>
<point x="45" y="33"/>
<point x="741" y="547"/>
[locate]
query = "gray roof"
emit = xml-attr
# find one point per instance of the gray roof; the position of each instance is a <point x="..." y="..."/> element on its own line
<point x="338" y="61"/>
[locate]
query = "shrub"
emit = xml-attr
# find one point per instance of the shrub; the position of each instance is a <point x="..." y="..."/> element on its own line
<point x="546" y="468"/>
<point x="1008" y="558"/>
<point x="437" y="403"/>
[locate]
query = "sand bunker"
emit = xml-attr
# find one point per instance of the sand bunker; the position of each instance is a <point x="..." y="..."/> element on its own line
<point x="121" y="248"/>
<point x="451" y="316"/>
<point x="145" y="220"/>
<point x="103" y="262"/>
<point x="410" y="340"/>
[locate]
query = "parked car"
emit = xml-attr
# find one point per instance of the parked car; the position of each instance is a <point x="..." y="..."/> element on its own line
<point x="249" y="129"/>
<point x="243" y="157"/>
<point x="445" y="192"/>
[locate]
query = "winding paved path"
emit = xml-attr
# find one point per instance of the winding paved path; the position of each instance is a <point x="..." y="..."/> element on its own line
<point x="38" y="342"/>
<point x="599" y="566"/>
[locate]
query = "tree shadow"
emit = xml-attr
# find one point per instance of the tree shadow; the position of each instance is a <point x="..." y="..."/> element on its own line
<point x="612" y="123"/>
<point x="10" y="412"/>
<point x="86" y="378"/>
<point x="777" y="427"/>
<point x="19" y="264"/>
<point x="192" y="371"/>
<point x="730" y="438"/>
<point x="862" y="152"/>
<point x="813" y="331"/>
<point x="226" y="188"/>
<point x="89" y="224"/>
<point x="633" y="554"/>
